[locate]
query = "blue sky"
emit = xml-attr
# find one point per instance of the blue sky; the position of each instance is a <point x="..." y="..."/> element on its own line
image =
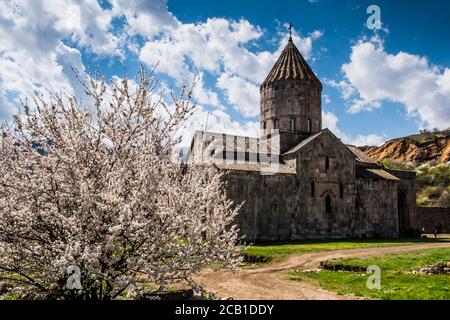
<point x="378" y="84"/>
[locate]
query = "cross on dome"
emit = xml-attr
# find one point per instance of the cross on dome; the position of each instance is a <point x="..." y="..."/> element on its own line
<point x="290" y="30"/>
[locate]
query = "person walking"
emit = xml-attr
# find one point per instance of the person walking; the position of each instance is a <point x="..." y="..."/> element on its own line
<point x="435" y="231"/>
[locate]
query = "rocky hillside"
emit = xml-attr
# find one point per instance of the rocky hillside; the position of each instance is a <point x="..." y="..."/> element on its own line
<point x="429" y="147"/>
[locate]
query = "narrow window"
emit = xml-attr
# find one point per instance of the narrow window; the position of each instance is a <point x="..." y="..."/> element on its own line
<point x="292" y="124"/>
<point x="327" y="163"/>
<point x="247" y="156"/>
<point x="276" y="124"/>
<point x="274" y="205"/>
<point x="341" y="190"/>
<point x="264" y="125"/>
<point x="235" y="148"/>
<point x="312" y="189"/>
<point x="309" y="125"/>
<point x="328" y="204"/>
<point x="224" y="146"/>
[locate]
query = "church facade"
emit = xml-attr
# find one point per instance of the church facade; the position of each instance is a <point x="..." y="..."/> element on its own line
<point x="299" y="181"/>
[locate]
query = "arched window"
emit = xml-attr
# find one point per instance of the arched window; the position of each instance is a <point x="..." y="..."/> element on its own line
<point x="274" y="205"/>
<point x="327" y="162"/>
<point x="341" y="190"/>
<point x="328" y="204"/>
<point x="292" y="124"/>
<point x="309" y="125"/>
<point x="312" y="189"/>
<point x="276" y="123"/>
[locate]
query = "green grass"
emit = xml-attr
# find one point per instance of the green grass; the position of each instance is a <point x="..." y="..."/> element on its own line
<point x="279" y="251"/>
<point x="396" y="283"/>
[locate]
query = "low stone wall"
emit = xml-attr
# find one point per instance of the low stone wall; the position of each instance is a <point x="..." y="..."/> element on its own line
<point x="432" y="217"/>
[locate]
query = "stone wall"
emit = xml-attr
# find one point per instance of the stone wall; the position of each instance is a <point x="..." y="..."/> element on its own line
<point x="298" y="99"/>
<point x="406" y="195"/>
<point x="375" y="213"/>
<point x="267" y="207"/>
<point x="280" y="207"/>
<point x="432" y="217"/>
<point x="284" y="207"/>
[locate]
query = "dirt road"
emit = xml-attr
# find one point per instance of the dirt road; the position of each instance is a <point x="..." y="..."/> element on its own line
<point x="269" y="282"/>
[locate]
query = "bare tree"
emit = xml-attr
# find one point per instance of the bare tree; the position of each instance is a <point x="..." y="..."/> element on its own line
<point x="90" y="199"/>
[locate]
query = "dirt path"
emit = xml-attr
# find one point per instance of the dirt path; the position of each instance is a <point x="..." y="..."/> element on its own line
<point x="269" y="282"/>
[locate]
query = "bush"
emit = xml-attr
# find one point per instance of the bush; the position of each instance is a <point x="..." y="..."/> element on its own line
<point x="433" y="182"/>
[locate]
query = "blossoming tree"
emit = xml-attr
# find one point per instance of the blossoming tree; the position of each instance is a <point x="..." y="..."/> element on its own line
<point x="91" y="199"/>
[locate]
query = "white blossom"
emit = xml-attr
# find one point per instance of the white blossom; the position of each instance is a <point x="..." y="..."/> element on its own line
<point x="95" y="187"/>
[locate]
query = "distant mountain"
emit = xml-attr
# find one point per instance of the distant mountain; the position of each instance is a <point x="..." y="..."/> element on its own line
<point x="428" y="147"/>
<point x="426" y="153"/>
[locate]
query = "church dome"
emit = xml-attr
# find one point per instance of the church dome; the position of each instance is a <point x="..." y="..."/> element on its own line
<point x="290" y="65"/>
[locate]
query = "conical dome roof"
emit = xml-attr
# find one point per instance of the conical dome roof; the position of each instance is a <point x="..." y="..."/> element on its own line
<point x="290" y="65"/>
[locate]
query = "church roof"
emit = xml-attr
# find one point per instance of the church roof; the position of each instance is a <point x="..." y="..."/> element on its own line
<point x="290" y="65"/>
<point x="361" y="156"/>
<point x="304" y="143"/>
<point x="376" y="174"/>
<point x="229" y="165"/>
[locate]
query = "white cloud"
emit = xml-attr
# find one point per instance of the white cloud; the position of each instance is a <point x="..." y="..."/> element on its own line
<point x="329" y="120"/>
<point x="326" y="98"/>
<point x="169" y="60"/>
<point x="54" y="33"/>
<point x="241" y="93"/>
<point x="443" y="81"/>
<point x="409" y="79"/>
<point x="368" y="140"/>
<point x="209" y="46"/>
<point x="358" y="105"/>
<point x="143" y="17"/>
<point x="204" y="95"/>
<point x="217" y="121"/>
<point x="219" y="47"/>
<point x="34" y="54"/>
<point x="346" y="89"/>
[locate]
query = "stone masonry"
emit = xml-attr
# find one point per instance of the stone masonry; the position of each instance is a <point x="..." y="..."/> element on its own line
<point x="299" y="181"/>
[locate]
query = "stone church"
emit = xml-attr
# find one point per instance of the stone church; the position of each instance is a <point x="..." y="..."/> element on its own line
<point x="298" y="180"/>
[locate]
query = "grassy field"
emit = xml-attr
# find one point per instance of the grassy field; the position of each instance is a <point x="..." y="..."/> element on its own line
<point x="396" y="283"/>
<point x="280" y="250"/>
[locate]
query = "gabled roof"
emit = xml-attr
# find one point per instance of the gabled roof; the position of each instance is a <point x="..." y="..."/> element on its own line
<point x="290" y="65"/>
<point x="376" y="174"/>
<point x="361" y="156"/>
<point x="304" y="143"/>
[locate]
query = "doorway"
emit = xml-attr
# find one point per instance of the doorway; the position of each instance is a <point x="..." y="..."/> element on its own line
<point x="403" y="212"/>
